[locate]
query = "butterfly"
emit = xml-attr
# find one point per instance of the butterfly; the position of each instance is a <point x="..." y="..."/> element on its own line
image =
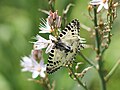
<point x="65" y="48"/>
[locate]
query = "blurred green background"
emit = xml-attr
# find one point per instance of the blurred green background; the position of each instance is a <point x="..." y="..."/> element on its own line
<point x="19" y="21"/>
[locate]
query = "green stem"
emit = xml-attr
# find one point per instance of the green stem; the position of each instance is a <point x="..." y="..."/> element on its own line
<point x="52" y="5"/>
<point x="100" y="71"/>
<point x="47" y="83"/>
<point x="112" y="70"/>
<point x="98" y="51"/>
<point x="87" y="60"/>
<point x="96" y="31"/>
<point x="83" y="85"/>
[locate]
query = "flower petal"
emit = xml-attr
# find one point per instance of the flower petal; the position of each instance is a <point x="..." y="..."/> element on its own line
<point x="24" y="69"/>
<point x="106" y="5"/>
<point x="95" y="2"/>
<point x="39" y="46"/>
<point x="26" y="63"/>
<point x="40" y="39"/>
<point x="49" y="48"/>
<point x="51" y="44"/>
<point x="45" y="27"/>
<point x="41" y="43"/>
<point x="41" y="62"/>
<point x="52" y="37"/>
<point x="35" y="74"/>
<point x="100" y="7"/>
<point x="42" y="74"/>
<point x="44" y="31"/>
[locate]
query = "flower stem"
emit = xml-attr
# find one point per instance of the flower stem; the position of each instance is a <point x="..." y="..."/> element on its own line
<point x="100" y="71"/>
<point x="52" y="4"/>
<point x="46" y="83"/>
<point x="98" y="51"/>
<point x="65" y="11"/>
<point x="82" y="84"/>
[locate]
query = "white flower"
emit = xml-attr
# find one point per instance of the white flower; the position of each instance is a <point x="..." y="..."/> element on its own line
<point x="45" y="27"/>
<point x="101" y="3"/>
<point x="39" y="69"/>
<point x="95" y="2"/>
<point x="31" y="65"/>
<point x="43" y="43"/>
<point x="27" y="63"/>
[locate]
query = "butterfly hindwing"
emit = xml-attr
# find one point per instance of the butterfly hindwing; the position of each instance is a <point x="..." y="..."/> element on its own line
<point x="70" y="37"/>
<point x="54" y="60"/>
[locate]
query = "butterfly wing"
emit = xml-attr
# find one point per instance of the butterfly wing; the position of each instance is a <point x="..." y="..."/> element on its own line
<point x="70" y="37"/>
<point x="55" y="60"/>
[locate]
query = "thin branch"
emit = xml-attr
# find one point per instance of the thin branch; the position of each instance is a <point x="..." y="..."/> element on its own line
<point x="82" y="84"/>
<point x="67" y="8"/>
<point x="112" y="70"/>
<point x="65" y="11"/>
<point x="47" y="83"/>
<point x="52" y="5"/>
<point x="44" y="11"/>
<point x="87" y="60"/>
<point x="44" y="82"/>
<point x="85" y="27"/>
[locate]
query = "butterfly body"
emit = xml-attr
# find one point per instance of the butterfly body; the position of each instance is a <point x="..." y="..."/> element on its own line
<point x="65" y="48"/>
<point x="61" y="46"/>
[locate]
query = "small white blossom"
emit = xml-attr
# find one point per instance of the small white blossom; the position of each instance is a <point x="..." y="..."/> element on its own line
<point x="45" y="27"/>
<point x="31" y="65"/>
<point x="43" y="43"/>
<point x="27" y="63"/>
<point x="101" y="3"/>
<point x="39" y="69"/>
<point x="95" y="2"/>
<point x="40" y="43"/>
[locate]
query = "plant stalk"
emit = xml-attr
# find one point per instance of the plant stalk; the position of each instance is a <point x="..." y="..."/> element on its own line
<point x="98" y="51"/>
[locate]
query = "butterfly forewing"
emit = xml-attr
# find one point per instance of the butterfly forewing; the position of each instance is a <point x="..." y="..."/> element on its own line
<point x="70" y="37"/>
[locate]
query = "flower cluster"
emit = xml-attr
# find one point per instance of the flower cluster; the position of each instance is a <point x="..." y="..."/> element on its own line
<point x="52" y="23"/>
<point x="30" y="64"/>
<point x="104" y="24"/>
<point x="35" y="62"/>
